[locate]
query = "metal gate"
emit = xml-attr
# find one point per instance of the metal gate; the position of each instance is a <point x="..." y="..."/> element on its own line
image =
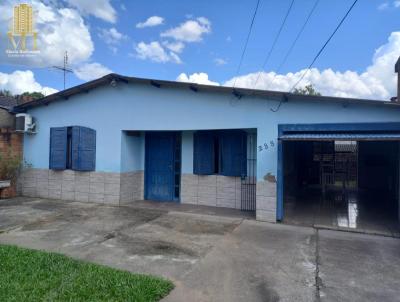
<point x="338" y="163"/>
<point x="248" y="183"/>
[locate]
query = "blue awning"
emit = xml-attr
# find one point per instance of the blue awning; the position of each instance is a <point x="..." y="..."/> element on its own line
<point x="341" y="136"/>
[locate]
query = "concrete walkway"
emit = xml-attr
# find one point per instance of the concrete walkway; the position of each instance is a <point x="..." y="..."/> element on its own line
<point x="211" y="257"/>
<point x="257" y="262"/>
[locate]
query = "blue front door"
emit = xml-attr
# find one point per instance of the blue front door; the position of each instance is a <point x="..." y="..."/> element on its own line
<point x="159" y="169"/>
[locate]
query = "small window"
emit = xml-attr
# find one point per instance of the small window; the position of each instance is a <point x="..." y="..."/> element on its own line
<point x="221" y="152"/>
<point x="72" y="148"/>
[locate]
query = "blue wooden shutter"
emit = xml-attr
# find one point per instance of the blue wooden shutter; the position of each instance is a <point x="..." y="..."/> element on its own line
<point x="233" y="153"/>
<point x="83" y="149"/>
<point x="203" y="155"/>
<point x="75" y="141"/>
<point x="58" y="148"/>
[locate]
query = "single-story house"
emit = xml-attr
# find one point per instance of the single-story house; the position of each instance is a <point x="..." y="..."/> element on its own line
<point x="118" y="139"/>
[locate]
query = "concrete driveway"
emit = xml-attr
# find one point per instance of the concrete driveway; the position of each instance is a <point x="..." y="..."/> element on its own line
<point x="221" y="257"/>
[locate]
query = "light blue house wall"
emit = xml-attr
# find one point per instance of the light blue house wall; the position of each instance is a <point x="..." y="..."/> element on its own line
<point x="187" y="152"/>
<point x="132" y="152"/>
<point x="109" y="110"/>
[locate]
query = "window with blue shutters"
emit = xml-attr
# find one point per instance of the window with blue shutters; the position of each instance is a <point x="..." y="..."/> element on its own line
<point x="83" y="149"/>
<point x="203" y="156"/>
<point x="233" y="147"/>
<point x="78" y="151"/>
<point x="58" y="148"/>
<point x="221" y="152"/>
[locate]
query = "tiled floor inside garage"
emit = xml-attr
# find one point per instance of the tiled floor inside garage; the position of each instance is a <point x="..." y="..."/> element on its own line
<point x="349" y="211"/>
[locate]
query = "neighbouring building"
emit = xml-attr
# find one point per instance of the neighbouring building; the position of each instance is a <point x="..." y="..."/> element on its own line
<point x="10" y="141"/>
<point x="119" y="139"/>
<point x="7" y="119"/>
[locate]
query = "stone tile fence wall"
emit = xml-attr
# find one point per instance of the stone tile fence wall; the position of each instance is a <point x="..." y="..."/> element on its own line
<point x="98" y="187"/>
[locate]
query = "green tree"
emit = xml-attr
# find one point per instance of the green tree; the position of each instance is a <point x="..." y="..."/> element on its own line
<point x="34" y="95"/>
<point x="307" y="90"/>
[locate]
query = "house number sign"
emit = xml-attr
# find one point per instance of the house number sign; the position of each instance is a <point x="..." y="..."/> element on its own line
<point x="266" y="146"/>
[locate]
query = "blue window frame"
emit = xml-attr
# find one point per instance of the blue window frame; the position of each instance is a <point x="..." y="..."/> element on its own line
<point x="72" y="148"/>
<point x="221" y="152"/>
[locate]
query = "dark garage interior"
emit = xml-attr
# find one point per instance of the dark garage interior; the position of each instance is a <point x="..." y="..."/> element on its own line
<point x="342" y="184"/>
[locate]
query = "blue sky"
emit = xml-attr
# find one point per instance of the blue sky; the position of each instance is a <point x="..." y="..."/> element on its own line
<point x="207" y="37"/>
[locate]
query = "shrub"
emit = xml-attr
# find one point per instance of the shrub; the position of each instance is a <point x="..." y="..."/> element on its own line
<point x="9" y="166"/>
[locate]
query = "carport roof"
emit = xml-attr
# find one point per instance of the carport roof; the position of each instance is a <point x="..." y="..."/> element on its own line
<point x="339" y="136"/>
<point x="112" y="78"/>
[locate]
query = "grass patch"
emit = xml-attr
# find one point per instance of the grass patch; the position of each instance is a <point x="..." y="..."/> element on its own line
<point x="29" y="275"/>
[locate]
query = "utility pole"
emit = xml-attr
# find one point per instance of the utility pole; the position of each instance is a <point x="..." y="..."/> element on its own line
<point x="64" y="68"/>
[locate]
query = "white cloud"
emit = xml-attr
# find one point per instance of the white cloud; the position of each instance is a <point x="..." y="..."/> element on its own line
<point x="112" y="37"/>
<point x="155" y="52"/>
<point x="378" y="81"/>
<point x="219" y="61"/>
<point x="21" y="81"/>
<point x="389" y="5"/>
<point x="59" y="30"/>
<point x="198" y="78"/>
<point x="175" y="58"/>
<point x="101" y="9"/>
<point x="383" y="6"/>
<point x="91" y="71"/>
<point x="174" y="46"/>
<point x="150" y="22"/>
<point x="189" y="31"/>
<point x="167" y="50"/>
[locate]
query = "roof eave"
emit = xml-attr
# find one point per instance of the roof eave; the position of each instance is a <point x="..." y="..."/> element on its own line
<point x="238" y="92"/>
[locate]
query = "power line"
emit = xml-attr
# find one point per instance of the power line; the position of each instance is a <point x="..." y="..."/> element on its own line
<point x="318" y="54"/>
<point x="325" y="44"/>
<point x="247" y="41"/>
<point x="274" y="43"/>
<point x="295" y="40"/>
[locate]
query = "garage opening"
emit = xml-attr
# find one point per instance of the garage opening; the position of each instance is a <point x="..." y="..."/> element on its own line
<point x="342" y="183"/>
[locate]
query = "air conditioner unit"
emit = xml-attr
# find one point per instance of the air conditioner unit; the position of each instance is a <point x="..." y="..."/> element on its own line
<point x="24" y="123"/>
